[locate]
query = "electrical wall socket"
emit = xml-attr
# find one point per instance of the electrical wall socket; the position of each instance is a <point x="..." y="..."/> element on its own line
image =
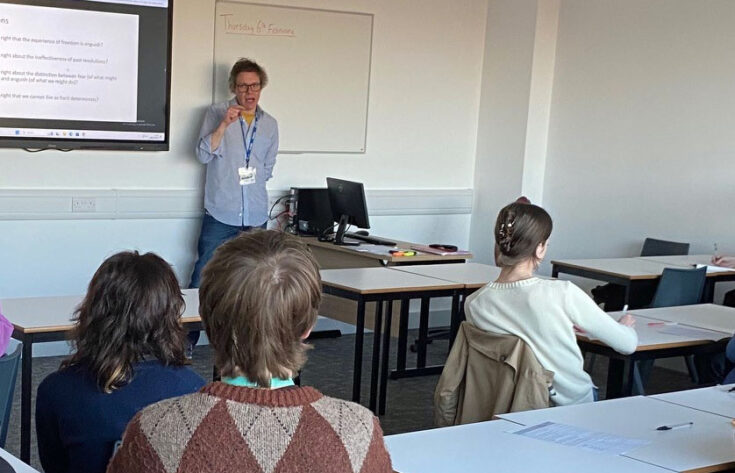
<point x="83" y="204"/>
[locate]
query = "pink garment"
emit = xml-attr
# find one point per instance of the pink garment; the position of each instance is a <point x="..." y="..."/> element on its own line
<point x="6" y="330"/>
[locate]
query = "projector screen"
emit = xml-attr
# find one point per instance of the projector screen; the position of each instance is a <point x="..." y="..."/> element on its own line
<point x="85" y="74"/>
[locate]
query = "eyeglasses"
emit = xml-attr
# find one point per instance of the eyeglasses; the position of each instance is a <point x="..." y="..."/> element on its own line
<point x="248" y="87"/>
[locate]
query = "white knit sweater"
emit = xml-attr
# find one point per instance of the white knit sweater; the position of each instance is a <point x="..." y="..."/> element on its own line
<point x="543" y="312"/>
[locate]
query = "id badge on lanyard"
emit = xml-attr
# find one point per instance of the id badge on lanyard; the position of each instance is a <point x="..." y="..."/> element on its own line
<point x="247" y="173"/>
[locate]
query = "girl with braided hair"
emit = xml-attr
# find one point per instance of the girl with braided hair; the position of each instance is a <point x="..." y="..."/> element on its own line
<point x="544" y="313"/>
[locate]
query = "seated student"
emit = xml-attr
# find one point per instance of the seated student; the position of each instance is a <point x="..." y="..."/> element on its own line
<point x="129" y="353"/>
<point x="258" y="301"/>
<point x="543" y="312"/>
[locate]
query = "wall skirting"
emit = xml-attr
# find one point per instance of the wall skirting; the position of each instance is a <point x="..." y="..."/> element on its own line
<point x="57" y="204"/>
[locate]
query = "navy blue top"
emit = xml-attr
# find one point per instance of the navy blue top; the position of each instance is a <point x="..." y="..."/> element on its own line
<point x="78" y="424"/>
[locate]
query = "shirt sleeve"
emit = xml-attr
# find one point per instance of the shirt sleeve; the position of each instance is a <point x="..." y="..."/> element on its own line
<point x="586" y="315"/>
<point x="270" y="157"/>
<point x="730" y="350"/>
<point x="51" y="450"/>
<point x="204" y="150"/>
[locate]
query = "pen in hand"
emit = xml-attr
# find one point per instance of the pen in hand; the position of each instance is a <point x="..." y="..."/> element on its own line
<point x="675" y="426"/>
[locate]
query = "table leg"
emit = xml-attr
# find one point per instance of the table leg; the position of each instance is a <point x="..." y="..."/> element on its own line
<point x="421" y="345"/>
<point x="403" y="335"/>
<point x="385" y="362"/>
<point x="626" y="298"/>
<point x="374" y="372"/>
<point x="614" y="378"/>
<point x="359" y="334"/>
<point x="554" y="271"/>
<point x="26" y="387"/>
<point x="709" y="291"/>
<point x="456" y="318"/>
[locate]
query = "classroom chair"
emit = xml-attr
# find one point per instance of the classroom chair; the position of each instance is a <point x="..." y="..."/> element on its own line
<point x="8" y="373"/>
<point x="613" y="295"/>
<point x="677" y="286"/>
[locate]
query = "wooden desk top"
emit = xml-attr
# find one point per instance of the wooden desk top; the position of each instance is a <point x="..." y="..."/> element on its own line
<point x="659" y="337"/>
<point x="381" y="252"/>
<point x="472" y="275"/>
<point x="706" y="446"/>
<point x="382" y="281"/>
<point x="54" y="313"/>
<point x="629" y="268"/>
<point x="708" y="316"/>
<point x="715" y="399"/>
<point x="490" y="446"/>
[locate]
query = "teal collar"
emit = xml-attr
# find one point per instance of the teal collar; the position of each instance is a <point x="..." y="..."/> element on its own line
<point x="244" y="382"/>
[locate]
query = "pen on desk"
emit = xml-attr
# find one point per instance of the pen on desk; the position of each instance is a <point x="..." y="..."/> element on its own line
<point x="675" y="426"/>
<point x="716" y="252"/>
<point x="655" y="324"/>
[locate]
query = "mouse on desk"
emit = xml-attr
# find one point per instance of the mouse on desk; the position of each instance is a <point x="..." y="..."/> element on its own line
<point x="362" y="232"/>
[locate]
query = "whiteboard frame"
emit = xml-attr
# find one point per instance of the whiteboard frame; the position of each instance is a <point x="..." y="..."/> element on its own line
<point x="370" y="66"/>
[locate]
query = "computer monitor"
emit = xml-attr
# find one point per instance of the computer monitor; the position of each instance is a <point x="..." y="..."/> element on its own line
<point x="347" y="200"/>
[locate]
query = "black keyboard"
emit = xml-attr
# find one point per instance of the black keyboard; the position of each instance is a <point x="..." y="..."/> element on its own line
<point x="370" y="239"/>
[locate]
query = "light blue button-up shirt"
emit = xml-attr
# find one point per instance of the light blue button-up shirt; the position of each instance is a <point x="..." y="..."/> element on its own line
<point x="224" y="198"/>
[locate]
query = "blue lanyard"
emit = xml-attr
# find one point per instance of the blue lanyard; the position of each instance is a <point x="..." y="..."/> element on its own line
<point x="249" y="147"/>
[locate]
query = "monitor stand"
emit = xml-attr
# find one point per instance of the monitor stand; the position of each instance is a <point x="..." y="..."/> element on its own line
<point x="339" y="237"/>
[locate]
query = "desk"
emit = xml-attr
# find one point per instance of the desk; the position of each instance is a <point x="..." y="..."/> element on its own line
<point x="710" y="316"/>
<point x="331" y="256"/>
<point x="715" y="399"/>
<point x="652" y="344"/>
<point x="17" y="465"/>
<point x="472" y="276"/>
<point x="639" y="273"/>
<point x="381" y="285"/>
<point x="487" y="446"/>
<point x="707" y="446"/>
<point x="48" y="319"/>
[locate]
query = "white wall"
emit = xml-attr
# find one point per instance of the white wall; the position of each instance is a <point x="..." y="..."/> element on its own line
<point x="503" y="119"/>
<point x="641" y="138"/>
<point x="424" y="100"/>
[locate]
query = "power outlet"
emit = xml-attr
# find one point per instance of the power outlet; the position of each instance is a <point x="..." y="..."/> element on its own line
<point x="83" y="204"/>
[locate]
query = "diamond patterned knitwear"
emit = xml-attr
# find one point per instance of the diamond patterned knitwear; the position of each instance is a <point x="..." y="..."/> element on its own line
<point x="234" y="429"/>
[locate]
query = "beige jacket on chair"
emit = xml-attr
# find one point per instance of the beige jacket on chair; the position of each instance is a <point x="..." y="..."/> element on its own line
<point x="488" y="374"/>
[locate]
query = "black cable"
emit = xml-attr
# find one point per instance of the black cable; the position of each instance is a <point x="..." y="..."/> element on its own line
<point x="278" y="200"/>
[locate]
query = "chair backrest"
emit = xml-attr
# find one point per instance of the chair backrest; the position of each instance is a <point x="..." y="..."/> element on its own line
<point x="679" y="286"/>
<point x="8" y="372"/>
<point x="654" y="247"/>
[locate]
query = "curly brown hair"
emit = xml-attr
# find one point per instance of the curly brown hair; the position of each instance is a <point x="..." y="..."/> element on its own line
<point x="246" y="65"/>
<point x="259" y="296"/>
<point x="131" y="311"/>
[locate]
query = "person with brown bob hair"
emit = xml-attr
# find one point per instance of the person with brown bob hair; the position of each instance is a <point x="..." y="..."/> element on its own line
<point x="128" y="353"/>
<point x="258" y="301"/>
<point x="544" y="313"/>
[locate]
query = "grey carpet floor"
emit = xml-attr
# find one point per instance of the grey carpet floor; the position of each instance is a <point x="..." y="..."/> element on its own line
<point x="329" y="369"/>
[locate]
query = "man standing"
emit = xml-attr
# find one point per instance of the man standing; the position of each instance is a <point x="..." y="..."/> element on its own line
<point x="238" y="142"/>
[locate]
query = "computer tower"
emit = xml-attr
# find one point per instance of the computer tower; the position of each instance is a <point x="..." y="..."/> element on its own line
<point x="312" y="213"/>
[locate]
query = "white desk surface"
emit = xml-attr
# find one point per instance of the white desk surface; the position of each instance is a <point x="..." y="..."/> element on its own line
<point x="653" y="337"/>
<point x="631" y="268"/>
<point x="679" y="260"/>
<point x="708" y="443"/>
<point x="45" y="314"/>
<point x="486" y="446"/>
<point x="472" y="275"/>
<point x="382" y="281"/>
<point x="17" y="465"/>
<point x="715" y="399"/>
<point x="709" y="316"/>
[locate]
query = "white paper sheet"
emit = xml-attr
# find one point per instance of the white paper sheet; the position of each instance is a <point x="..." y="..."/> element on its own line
<point x="690" y="332"/>
<point x="582" y="438"/>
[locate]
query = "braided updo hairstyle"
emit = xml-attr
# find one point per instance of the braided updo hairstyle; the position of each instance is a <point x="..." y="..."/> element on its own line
<point x="519" y="229"/>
